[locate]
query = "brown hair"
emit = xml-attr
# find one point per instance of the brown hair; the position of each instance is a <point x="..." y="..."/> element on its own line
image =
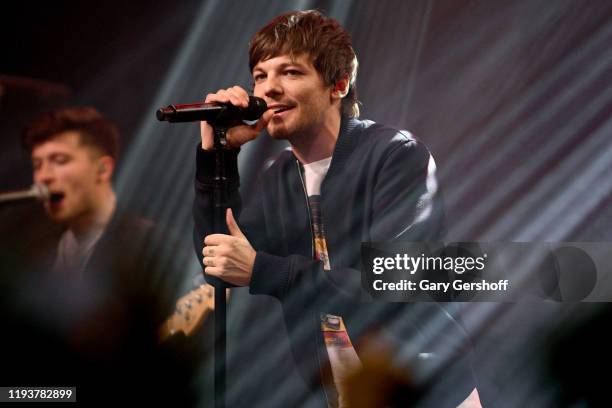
<point x="322" y="38"/>
<point x="94" y="129"/>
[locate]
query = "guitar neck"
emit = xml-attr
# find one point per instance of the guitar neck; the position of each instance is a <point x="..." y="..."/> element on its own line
<point x="190" y="313"/>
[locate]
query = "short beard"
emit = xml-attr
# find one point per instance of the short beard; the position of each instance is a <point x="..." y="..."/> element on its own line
<point x="279" y="134"/>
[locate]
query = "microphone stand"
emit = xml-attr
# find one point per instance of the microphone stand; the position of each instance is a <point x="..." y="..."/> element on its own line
<point x="220" y="120"/>
<point x="220" y="313"/>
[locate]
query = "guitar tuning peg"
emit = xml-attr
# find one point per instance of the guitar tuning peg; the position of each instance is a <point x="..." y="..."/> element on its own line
<point x="199" y="298"/>
<point x="188" y="304"/>
<point x="187" y="316"/>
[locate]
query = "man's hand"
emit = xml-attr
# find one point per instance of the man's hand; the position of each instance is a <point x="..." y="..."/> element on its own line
<point x="237" y="135"/>
<point x="229" y="257"/>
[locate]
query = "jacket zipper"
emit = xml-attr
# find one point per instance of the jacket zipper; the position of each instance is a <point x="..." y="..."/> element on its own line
<point x="312" y="251"/>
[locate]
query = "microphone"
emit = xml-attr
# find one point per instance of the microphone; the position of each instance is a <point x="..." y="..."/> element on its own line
<point x="38" y="192"/>
<point x="213" y="113"/>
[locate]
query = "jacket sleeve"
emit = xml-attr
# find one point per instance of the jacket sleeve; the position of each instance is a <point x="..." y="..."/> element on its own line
<point x="204" y="206"/>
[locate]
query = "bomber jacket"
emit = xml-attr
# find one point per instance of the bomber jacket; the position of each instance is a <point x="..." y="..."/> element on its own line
<point x="380" y="186"/>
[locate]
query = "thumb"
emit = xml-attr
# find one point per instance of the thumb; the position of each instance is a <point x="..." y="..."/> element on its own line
<point x="232" y="226"/>
<point x="263" y="120"/>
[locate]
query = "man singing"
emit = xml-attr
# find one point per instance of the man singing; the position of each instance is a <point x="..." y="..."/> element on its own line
<point x="343" y="182"/>
<point x="91" y="293"/>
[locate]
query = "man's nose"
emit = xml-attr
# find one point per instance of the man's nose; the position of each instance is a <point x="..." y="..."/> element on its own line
<point x="44" y="174"/>
<point x="272" y="86"/>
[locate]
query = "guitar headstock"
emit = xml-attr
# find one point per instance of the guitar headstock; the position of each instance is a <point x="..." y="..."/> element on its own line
<point x="191" y="310"/>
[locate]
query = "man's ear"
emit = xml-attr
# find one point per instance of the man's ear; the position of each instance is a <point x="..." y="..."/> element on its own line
<point x="341" y="88"/>
<point x="106" y="168"/>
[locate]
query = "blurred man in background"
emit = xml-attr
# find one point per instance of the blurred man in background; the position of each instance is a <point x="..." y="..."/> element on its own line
<point x="89" y="294"/>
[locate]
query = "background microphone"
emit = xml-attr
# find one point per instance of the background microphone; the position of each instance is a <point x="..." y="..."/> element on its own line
<point x="213" y="113"/>
<point x="38" y="192"/>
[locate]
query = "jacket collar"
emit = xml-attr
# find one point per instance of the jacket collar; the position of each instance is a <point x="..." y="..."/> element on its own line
<point x="346" y="143"/>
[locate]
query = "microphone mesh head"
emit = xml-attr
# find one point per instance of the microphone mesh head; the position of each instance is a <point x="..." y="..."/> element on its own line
<point x="41" y="192"/>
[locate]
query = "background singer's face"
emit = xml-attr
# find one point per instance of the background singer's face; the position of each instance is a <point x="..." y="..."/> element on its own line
<point x="296" y="91"/>
<point x="71" y="172"/>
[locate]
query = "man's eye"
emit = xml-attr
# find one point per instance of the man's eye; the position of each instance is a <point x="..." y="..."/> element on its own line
<point x="61" y="159"/>
<point x="292" y="72"/>
<point x="259" y="77"/>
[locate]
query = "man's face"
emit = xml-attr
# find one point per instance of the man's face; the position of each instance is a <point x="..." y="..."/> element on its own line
<point x="296" y="91"/>
<point x="71" y="171"/>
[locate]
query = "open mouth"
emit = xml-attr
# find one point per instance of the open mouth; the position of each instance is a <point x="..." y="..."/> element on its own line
<point x="56" y="198"/>
<point x="281" y="108"/>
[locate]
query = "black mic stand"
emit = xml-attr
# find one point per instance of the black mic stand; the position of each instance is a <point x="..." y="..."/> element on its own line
<point x="220" y="120"/>
<point x="219" y="226"/>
